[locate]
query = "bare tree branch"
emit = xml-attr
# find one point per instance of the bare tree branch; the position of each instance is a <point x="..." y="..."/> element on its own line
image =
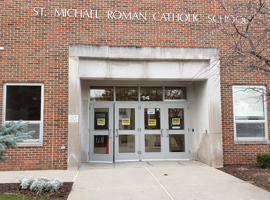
<point x="248" y="42"/>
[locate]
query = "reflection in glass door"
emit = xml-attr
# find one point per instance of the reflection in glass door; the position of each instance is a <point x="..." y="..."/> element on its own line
<point x="101" y="132"/>
<point x="126" y="132"/>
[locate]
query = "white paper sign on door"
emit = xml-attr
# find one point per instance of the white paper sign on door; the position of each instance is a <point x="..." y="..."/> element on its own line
<point x="151" y="111"/>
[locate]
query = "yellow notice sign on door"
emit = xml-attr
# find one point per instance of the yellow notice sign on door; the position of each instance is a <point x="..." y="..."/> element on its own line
<point x="151" y="122"/>
<point x="126" y="121"/>
<point x="176" y="121"/>
<point x="101" y="121"/>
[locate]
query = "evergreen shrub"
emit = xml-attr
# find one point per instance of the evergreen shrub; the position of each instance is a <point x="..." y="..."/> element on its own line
<point x="10" y="134"/>
<point x="263" y="159"/>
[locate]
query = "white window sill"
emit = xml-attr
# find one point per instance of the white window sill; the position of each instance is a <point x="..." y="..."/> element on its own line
<point x="251" y="142"/>
<point x="29" y="144"/>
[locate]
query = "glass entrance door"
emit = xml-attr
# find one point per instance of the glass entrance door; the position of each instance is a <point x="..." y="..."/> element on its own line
<point x="126" y="132"/>
<point x="177" y="136"/>
<point x="127" y="124"/>
<point x="164" y="133"/>
<point x="152" y="132"/>
<point x="101" y="132"/>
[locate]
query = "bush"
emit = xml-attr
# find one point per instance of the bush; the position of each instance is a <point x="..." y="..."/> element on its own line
<point x="41" y="184"/>
<point x="10" y="134"/>
<point x="263" y="159"/>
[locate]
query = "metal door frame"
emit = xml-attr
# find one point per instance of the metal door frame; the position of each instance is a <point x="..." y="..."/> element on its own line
<point x="102" y="158"/>
<point x="152" y="155"/>
<point x="177" y="155"/>
<point x="126" y="156"/>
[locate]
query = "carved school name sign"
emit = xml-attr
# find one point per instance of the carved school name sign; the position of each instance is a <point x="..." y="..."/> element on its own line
<point x="120" y="15"/>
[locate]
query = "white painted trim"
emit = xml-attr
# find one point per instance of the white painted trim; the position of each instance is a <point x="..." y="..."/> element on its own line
<point x="28" y="142"/>
<point x="251" y="142"/>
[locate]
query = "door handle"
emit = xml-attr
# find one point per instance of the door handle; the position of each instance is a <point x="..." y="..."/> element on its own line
<point x="110" y="133"/>
<point x="162" y="133"/>
<point x="167" y="135"/>
<point x="116" y="133"/>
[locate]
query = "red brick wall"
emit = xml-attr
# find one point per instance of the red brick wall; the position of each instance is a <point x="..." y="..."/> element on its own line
<point x="36" y="50"/>
<point x="239" y="153"/>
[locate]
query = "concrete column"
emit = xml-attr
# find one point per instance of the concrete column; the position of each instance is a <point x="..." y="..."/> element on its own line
<point x="215" y="126"/>
<point x="73" y="111"/>
<point x="84" y="125"/>
<point x="205" y="118"/>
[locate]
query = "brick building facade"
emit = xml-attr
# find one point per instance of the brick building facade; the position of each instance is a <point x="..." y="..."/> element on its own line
<point x="44" y="41"/>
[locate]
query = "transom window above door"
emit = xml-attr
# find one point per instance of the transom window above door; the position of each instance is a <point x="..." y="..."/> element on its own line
<point x="151" y="94"/>
<point x="135" y="93"/>
<point x="101" y="93"/>
<point x="126" y="93"/>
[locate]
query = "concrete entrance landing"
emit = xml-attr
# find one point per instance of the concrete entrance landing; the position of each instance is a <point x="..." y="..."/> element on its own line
<point x="160" y="180"/>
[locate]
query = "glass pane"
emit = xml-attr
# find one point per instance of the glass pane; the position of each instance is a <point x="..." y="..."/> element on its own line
<point x="101" y="144"/>
<point x="101" y="119"/>
<point x="101" y="93"/>
<point x="127" y="94"/>
<point x="126" y="118"/>
<point x="151" y="94"/>
<point x="152" y="119"/>
<point x="23" y="102"/>
<point x="177" y="143"/>
<point x="33" y="127"/>
<point x="250" y="129"/>
<point x="176" y="118"/>
<point x="126" y="143"/>
<point x="152" y="143"/>
<point x="175" y="93"/>
<point x="248" y="103"/>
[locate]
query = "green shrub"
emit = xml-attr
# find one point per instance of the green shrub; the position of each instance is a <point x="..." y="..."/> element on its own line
<point x="10" y="134"/>
<point x="263" y="159"/>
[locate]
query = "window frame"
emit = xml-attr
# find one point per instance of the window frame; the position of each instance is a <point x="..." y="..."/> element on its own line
<point x="40" y="122"/>
<point x="265" y="138"/>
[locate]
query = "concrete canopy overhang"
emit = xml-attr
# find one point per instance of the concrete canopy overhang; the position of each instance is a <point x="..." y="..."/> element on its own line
<point x="197" y="66"/>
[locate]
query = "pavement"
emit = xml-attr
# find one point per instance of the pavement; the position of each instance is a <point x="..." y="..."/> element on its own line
<point x="187" y="180"/>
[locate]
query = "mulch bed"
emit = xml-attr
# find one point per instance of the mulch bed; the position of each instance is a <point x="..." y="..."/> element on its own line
<point x="15" y="188"/>
<point x="251" y="173"/>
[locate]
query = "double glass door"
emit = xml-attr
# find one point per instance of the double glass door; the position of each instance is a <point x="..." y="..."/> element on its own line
<point x="150" y="131"/>
<point x="164" y="134"/>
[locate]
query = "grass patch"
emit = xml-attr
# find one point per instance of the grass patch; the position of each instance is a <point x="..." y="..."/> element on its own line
<point x="13" y="197"/>
<point x="18" y="197"/>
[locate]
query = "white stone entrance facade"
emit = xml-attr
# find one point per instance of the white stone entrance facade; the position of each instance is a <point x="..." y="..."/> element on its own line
<point x="195" y="68"/>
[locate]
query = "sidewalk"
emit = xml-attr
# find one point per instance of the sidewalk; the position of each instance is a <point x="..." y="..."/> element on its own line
<point x="187" y="180"/>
